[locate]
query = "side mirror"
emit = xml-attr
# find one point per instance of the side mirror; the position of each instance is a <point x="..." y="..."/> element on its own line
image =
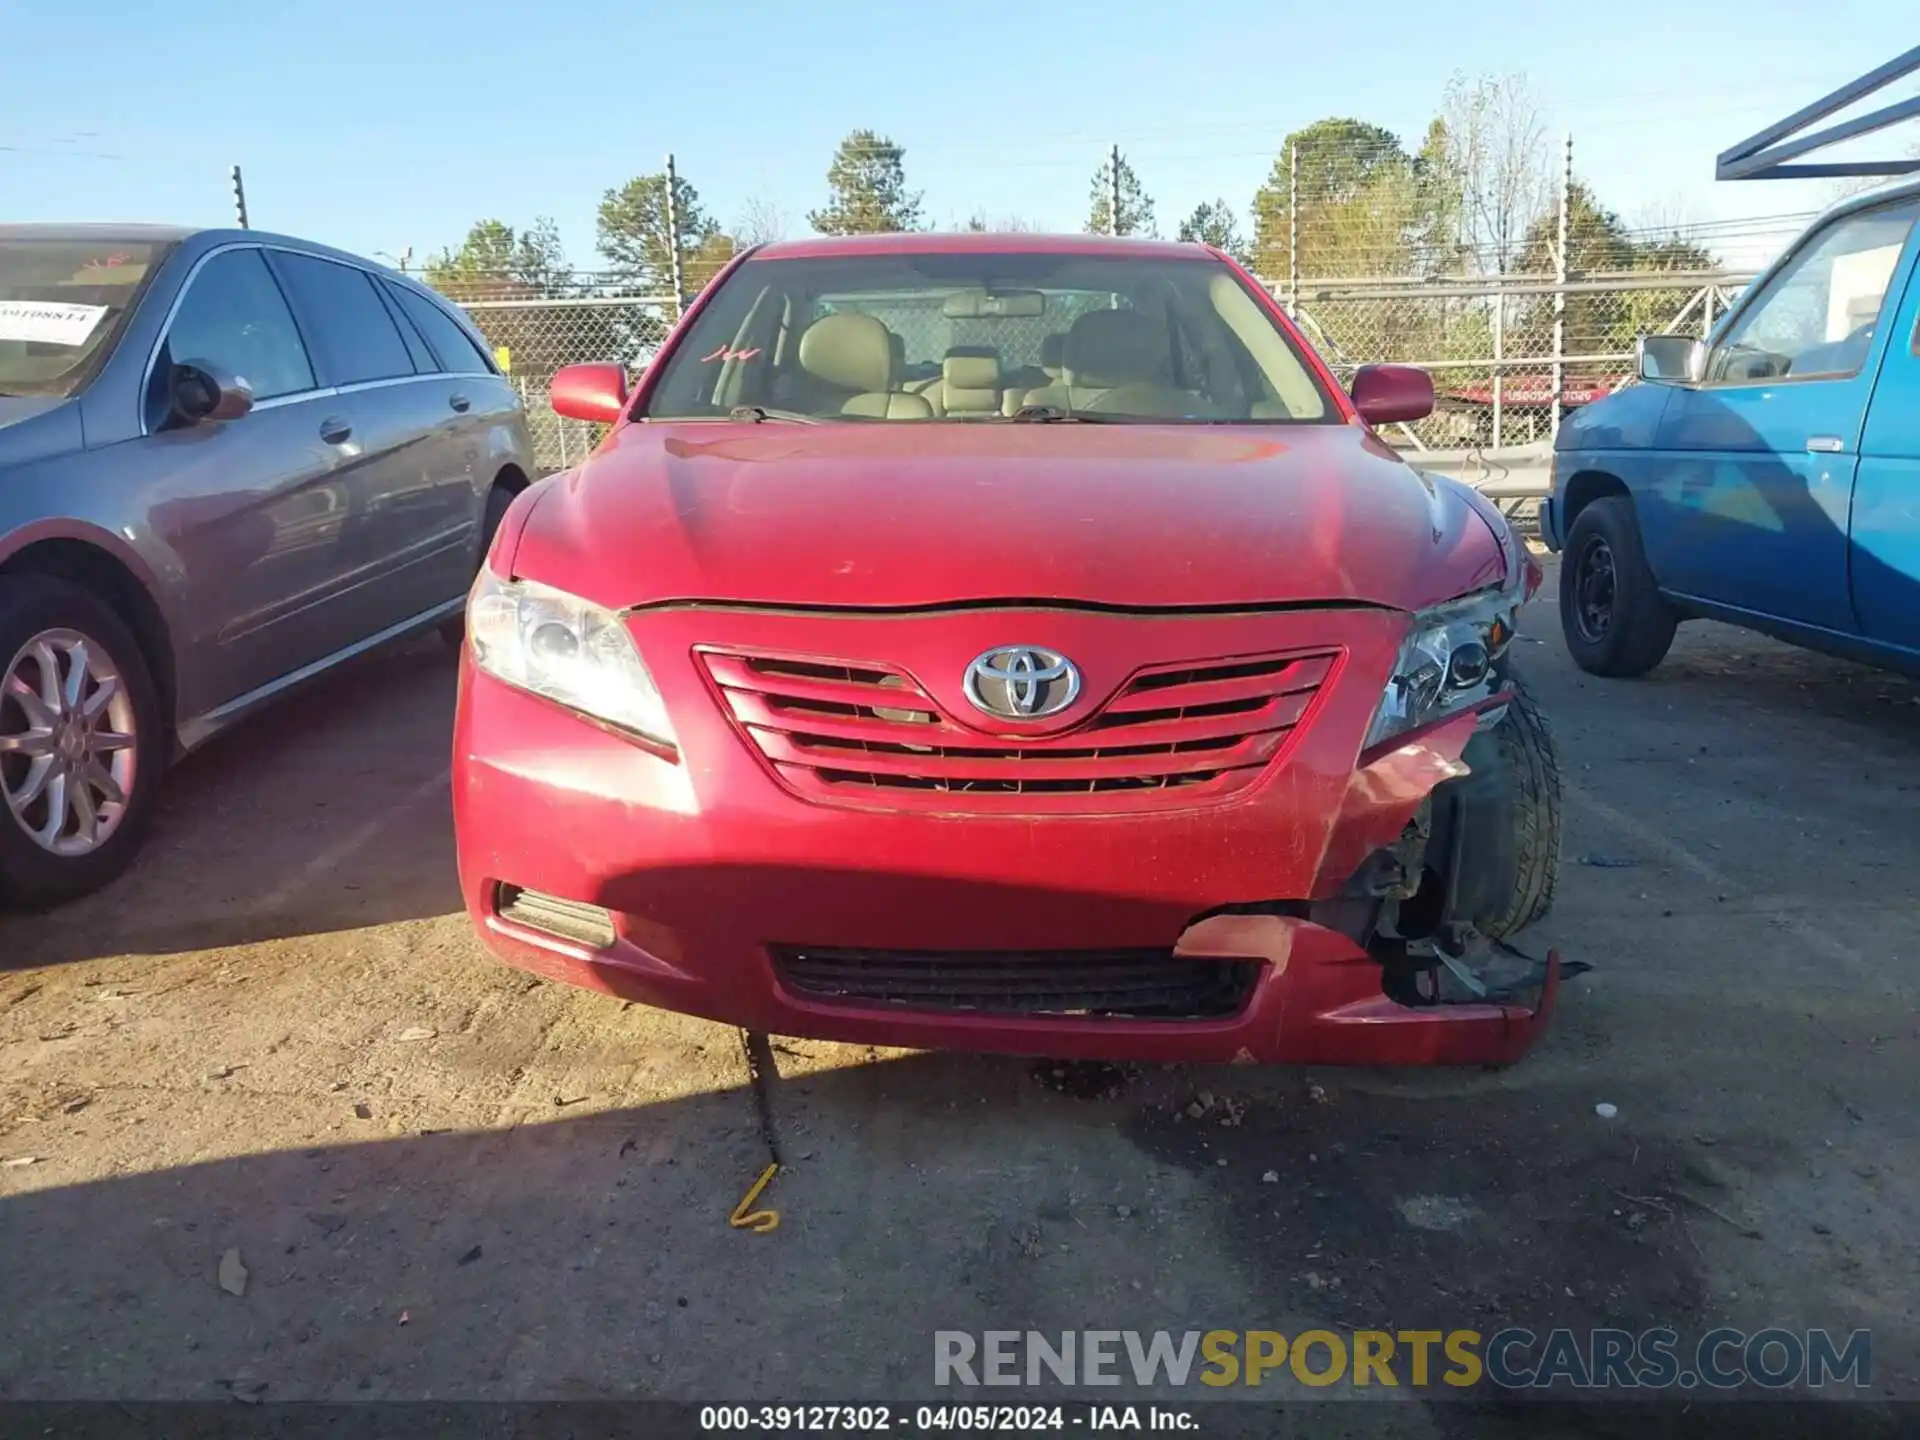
<point x="199" y="391"/>
<point x="589" y="392"/>
<point x="1671" y="359"/>
<point x="1386" y="394"/>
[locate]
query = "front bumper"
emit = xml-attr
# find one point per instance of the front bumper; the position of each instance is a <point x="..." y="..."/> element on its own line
<point x="1550" y="523"/>
<point x="712" y="865"/>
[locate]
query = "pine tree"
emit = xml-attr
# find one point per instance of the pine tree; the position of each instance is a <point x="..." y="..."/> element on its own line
<point x="1135" y="215"/>
<point x="867" y="182"/>
<point x="1215" y="224"/>
<point x="634" y="233"/>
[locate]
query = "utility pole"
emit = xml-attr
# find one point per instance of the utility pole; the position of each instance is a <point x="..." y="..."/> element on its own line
<point x="1560" y="272"/>
<point x="673" y="239"/>
<point x="1113" y="191"/>
<point x="1293" y="231"/>
<point x="239" y="198"/>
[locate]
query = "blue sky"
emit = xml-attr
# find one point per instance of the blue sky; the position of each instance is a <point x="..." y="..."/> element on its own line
<point x="381" y="126"/>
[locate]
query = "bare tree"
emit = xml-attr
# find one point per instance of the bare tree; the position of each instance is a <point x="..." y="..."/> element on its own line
<point x="762" y="219"/>
<point x="980" y="222"/>
<point x="1495" y="147"/>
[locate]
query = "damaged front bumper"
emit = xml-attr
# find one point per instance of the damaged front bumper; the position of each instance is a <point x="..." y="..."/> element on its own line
<point x="701" y="885"/>
<point x="1429" y="837"/>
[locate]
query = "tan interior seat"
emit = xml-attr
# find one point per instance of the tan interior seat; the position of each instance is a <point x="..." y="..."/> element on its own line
<point x="970" y="385"/>
<point x="1027" y="378"/>
<point x="1115" y="359"/>
<point x="852" y="355"/>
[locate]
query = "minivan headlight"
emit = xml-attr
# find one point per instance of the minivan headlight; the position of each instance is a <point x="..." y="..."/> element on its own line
<point x="1446" y="663"/>
<point x="575" y="654"/>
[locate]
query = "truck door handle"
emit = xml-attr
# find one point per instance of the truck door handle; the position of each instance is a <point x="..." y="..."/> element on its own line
<point x="335" y="431"/>
<point x="459" y="402"/>
<point x="1824" y="445"/>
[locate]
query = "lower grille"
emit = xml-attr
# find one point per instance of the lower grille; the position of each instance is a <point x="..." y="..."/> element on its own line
<point x="1136" y="984"/>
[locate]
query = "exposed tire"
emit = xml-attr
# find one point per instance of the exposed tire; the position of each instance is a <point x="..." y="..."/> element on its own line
<point x="1611" y="610"/>
<point x="77" y="780"/>
<point x="1532" y="763"/>
<point x="453" y="630"/>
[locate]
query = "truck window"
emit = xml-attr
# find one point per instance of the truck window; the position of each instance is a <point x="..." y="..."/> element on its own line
<point x="1816" y="316"/>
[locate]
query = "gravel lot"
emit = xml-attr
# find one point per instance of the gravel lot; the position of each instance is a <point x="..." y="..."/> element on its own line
<point x="448" y="1180"/>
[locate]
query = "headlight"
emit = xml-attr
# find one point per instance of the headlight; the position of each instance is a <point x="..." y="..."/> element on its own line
<point x="575" y="654"/>
<point x="1446" y="663"/>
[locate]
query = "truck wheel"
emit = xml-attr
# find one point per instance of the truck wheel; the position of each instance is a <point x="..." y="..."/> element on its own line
<point x="81" y="743"/>
<point x="1615" y="620"/>
<point x="1532" y="763"/>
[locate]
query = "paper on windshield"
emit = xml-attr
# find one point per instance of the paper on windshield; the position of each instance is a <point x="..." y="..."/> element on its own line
<point x="49" y="322"/>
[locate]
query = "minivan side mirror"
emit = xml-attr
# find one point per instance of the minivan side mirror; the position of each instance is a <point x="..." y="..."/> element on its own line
<point x="1386" y="394"/>
<point x="200" y="391"/>
<point x="589" y="392"/>
<point x="1671" y="359"/>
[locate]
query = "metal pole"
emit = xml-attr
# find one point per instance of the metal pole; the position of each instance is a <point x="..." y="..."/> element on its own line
<point x="1113" y="191"/>
<point x="1499" y="356"/>
<point x="1293" y="232"/>
<point x="673" y="239"/>
<point x="1706" y="313"/>
<point x="1560" y="293"/>
<point x="239" y="198"/>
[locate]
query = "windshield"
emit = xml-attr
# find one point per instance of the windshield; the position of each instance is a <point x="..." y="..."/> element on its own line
<point x="62" y="304"/>
<point x="989" y="337"/>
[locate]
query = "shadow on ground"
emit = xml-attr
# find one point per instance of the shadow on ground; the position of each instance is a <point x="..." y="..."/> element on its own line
<point x="591" y="1258"/>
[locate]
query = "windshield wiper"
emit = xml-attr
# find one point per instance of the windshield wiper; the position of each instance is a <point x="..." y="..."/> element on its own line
<point x="755" y="414"/>
<point x="1054" y="415"/>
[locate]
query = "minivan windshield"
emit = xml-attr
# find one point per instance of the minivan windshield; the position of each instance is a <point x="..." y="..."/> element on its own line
<point x="63" y="303"/>
<point x="988" y="337"/>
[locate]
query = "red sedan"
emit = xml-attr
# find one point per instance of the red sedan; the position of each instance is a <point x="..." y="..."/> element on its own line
<point x="1019" y="644"/>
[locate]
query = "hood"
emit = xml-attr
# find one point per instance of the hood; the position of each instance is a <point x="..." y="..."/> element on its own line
<point x="35" y="426"/>
<point x="895" y="516"/>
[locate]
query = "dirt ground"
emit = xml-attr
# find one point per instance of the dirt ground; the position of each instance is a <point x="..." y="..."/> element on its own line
<point x="447" y="1180"/>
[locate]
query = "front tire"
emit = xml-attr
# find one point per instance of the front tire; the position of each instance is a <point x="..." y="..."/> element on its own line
<point x="81" y="743"/>
<point x="1616" y="621"/>
<point x="1531" y="760"/>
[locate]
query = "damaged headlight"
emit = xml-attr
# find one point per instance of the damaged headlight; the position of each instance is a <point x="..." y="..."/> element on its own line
<point x="1446" y="663"/>
<point x="575" y="654"/>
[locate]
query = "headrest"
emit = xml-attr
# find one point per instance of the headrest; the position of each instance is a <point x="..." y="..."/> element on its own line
<point x="1051" y="348"/>
<point x="1114" y="347"/>
<point x="971" y="372"/>
<point x="852" y="351"/>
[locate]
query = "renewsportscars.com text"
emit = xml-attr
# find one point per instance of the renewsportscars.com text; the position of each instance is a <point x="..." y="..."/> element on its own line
<point x="1515" y="1358"/>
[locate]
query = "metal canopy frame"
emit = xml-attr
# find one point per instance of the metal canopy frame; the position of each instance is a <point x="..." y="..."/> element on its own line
<point x="1766" y="156"/>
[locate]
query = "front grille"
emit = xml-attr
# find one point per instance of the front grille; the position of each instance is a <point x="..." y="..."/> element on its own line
<point x="1136" y="984"/>
<point x="862" y="733"/>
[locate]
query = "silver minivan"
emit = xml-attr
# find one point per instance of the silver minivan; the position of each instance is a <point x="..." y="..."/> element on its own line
<point x="228" y="461"/>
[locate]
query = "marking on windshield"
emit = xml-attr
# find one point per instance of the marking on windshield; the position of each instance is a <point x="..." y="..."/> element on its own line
<point x="723" y="353"/>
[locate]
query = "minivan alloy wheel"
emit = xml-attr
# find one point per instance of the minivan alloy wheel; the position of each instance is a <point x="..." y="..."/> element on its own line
<point x="69" y="742"/>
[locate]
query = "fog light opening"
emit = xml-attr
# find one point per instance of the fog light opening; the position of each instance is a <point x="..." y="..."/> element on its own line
<point x="570" y="920"/>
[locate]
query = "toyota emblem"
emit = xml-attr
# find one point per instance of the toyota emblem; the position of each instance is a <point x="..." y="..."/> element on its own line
<point x="1022" y="682"/>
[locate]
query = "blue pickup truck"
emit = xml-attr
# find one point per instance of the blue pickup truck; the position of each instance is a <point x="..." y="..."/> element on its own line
<point x="1768" y="476"/>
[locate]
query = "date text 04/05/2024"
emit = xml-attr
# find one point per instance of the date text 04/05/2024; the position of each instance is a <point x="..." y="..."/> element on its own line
<point x="931" y="1419"/>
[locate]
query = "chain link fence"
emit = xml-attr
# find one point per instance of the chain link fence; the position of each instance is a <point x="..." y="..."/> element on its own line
<point x="533" y="336"/>
<point x="1502" y="352"/>
<point x="1489" y="343"/>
